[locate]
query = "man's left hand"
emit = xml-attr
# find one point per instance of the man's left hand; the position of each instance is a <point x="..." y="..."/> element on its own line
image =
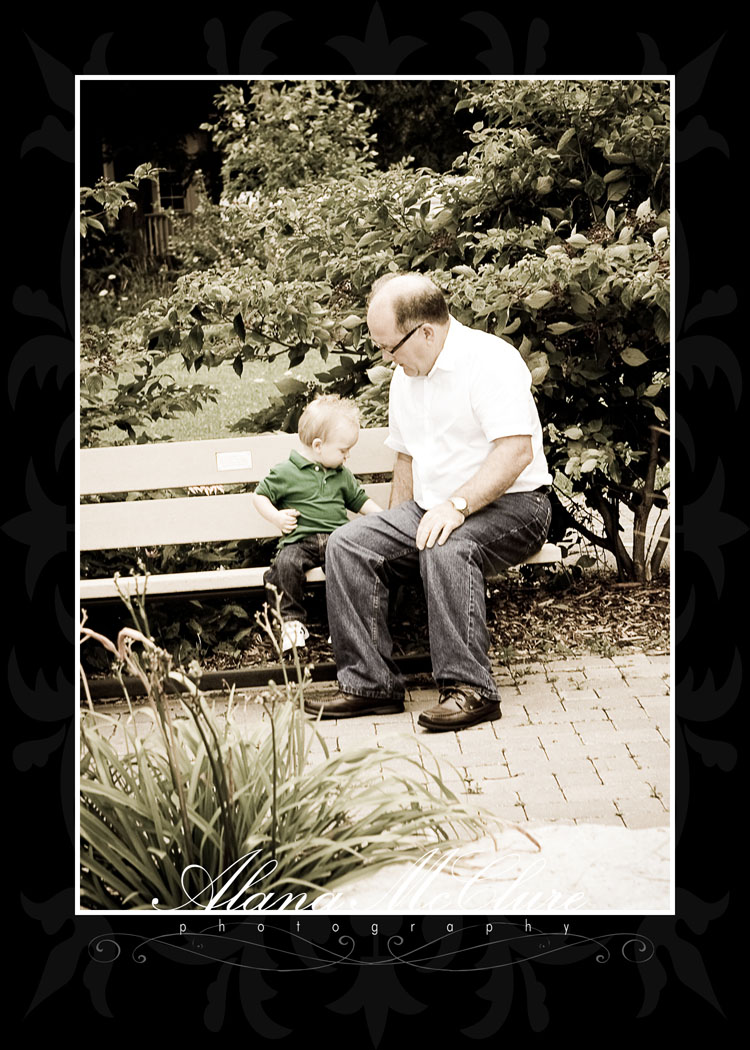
<point x="437" y="525"/>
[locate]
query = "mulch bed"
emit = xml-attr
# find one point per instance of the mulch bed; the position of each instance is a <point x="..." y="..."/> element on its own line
<point x="527" y="619"/>
<point x="593" y="615"/>
<point x="530" y="618"/>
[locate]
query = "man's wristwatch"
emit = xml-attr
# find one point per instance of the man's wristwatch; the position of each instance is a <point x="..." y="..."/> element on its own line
<point x="460" y="504"/>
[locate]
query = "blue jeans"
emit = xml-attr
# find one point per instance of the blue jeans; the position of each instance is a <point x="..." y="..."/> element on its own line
<point x="287" y="573"/>
<point x="365" y="557"/>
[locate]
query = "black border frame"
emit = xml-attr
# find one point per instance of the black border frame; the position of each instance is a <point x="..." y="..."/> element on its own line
<point x="687" y="971"/>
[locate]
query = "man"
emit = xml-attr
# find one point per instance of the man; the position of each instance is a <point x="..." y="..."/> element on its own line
<point x="468" y="498"/>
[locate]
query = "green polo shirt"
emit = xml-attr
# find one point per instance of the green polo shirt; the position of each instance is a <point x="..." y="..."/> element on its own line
<point x="322" y="495"/>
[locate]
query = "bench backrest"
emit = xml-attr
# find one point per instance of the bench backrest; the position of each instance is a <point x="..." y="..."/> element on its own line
<point x="146" y="522"/>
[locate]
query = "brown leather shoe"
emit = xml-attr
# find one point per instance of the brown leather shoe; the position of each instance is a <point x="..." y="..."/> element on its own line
<point x="459" y="706"/>
<point x="347" y="705"/>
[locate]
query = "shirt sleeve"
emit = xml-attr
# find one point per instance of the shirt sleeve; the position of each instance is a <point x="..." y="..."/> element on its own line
<point x="272" y="486"/>
<point x="355" y="496"/>
<point x="501" y="394"/>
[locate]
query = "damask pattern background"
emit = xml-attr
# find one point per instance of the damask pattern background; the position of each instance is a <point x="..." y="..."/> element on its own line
<point x="99" y="970"/>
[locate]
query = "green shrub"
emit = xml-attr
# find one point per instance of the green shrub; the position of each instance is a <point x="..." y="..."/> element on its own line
<point x="191" y="803"/>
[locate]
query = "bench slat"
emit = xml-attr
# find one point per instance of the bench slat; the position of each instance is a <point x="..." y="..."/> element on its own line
<point x="183" y="582"/>
<point x="230" y="579"/>
<point x="227" y="461"/>
<point x="548" y="554"/>
<point x="188" y="519"/>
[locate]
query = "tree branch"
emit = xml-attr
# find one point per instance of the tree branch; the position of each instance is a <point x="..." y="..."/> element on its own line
<point x="661" y="547"/>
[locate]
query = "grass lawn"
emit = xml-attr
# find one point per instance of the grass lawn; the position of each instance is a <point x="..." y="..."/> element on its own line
<point x="239" y="396"/>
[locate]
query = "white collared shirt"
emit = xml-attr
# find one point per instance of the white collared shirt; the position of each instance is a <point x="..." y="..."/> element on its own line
<point x="478" y="390"/>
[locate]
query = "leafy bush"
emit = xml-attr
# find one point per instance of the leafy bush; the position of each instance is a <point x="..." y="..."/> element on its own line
<point x="280" y="134"/>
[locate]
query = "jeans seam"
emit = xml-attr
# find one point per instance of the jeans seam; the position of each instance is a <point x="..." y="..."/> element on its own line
<point x="375" y="610"/>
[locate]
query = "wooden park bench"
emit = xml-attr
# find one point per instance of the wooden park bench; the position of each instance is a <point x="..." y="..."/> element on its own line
<point x="177" y="517"/>
<point x="139" y="496"/>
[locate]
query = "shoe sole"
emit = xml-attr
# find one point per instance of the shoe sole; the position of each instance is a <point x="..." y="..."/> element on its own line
<point x="440" y="727"/>
<point x="385" y="709"/>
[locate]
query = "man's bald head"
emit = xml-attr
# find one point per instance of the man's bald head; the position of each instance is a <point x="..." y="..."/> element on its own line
<point x="412" y="298"/>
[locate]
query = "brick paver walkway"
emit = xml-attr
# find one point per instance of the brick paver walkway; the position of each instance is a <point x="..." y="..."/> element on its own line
<point x="583" y="739"/>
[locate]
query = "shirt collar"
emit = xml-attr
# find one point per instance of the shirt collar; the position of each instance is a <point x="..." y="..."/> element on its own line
<point x="300" y="461"/>
<point x="447" y="359"/>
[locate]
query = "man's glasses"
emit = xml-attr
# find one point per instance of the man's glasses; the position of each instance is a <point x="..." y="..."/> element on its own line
<point x="400" y="343"/>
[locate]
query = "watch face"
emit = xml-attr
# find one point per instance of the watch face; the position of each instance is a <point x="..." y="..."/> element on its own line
<point x="459" y="503"/>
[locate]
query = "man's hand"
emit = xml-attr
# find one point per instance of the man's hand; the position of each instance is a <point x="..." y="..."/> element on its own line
<point x="287" y="520"/>
<point x="437" y="525"/>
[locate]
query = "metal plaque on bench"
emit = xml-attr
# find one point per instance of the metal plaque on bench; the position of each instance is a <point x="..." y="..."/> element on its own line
<point x="234" y="460"/>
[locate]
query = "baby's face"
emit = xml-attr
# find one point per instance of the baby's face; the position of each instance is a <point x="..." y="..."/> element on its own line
<point x="333" y="451"/>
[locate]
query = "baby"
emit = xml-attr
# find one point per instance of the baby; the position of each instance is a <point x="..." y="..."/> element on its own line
<point x="306" y="498"/>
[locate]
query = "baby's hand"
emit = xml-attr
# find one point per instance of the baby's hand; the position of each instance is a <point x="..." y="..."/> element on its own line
<point x="288" y="520"/>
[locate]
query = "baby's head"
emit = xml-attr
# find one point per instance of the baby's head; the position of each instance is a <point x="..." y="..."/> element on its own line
<point x="329" y="428"/>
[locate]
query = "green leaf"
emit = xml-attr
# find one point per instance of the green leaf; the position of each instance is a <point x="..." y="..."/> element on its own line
<point x="238" y="365"/>
<point x="594" y="186"/>
<point x="195" y="337"/>
<point x="617" y="190"/>
<point x="297" y="354"/>
<point x="289" y="385"/>
<point x="633" y="356"/>
<point x="613" y="175"/>
<point x="582" y="304"/>
<point x="370" y="238"/>
<point x="239" y="328"/>
<point x="661" y="326"/>
<point x="539" y="371"/>
<point x="352" y="321"/>
<point x="379" y="374"/>
<point x="538" y="299"/>
<point x="560" y="327"/>
<point x="442" y="219"/>
<point x="565" y="139"/>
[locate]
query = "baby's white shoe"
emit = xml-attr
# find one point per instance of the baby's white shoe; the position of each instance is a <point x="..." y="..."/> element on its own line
<point x="294" y="634"/>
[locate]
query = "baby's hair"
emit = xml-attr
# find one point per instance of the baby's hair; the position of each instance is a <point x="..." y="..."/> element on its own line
<point x="322" y="414"/>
